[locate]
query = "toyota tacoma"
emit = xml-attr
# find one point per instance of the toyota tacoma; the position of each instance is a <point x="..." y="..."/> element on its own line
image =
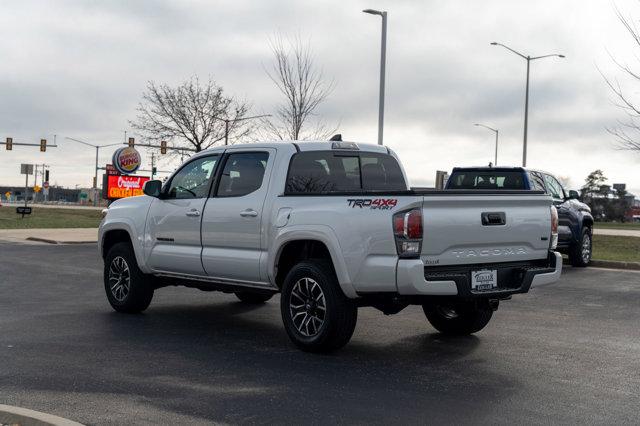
<point x="332" y="227"/>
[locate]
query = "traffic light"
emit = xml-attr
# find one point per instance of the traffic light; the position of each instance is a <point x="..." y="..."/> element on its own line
<point x="9" y="144"/>
<point x="154" y="171"/>
<point x="43" y="145"/>
<point x="46" y="175"/>
<point x="163" y="147"/>
<point x="132" y="142"/>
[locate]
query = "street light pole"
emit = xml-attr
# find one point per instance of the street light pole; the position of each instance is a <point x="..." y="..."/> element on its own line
<point x="95" y="179"/>
<point x="227" y="121"/>
<point x="526" y="98"/>
<point x="496" y="131"/>
<point x="383" y="61"/>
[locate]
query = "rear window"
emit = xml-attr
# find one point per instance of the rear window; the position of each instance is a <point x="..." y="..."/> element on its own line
<point x="325" y="172"/>
<point x="486" y="179"/>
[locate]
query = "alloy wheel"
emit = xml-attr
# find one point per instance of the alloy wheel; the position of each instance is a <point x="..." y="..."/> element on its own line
<point x="586" y="249"/>
<point x="307" y="306"/>
<point x="119" y="278"/>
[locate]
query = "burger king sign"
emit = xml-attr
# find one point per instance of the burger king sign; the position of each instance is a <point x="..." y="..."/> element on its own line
<point x="126" y="160"/>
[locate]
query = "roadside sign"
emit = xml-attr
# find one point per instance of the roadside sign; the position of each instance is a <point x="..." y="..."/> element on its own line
<point x="115" y="187"/>
<point x="23" y="210"/>
<point x="36" y="188"/>
<point x="26" y="169"/>
<point x="111" y="170"/>
<point x="7" y="194"/>
<point x="127" y="160"/>
<point x="45" y="185"/>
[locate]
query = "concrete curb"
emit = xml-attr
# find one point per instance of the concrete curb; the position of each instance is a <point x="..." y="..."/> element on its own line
<point x="24" y="417"/>
<point x="46" y="240"/>
<point x="634" y="266"/>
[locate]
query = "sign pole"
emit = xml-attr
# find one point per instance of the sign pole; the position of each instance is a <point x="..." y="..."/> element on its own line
<point x="26" y="186"/>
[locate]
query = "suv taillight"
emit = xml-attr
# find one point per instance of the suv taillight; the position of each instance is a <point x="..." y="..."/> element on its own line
<point x="407" y="229"/>
<point x="554" y="228"/>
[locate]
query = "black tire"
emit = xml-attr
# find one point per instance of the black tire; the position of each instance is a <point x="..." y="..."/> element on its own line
<point x="334" y="325"/>
<point x="138" y="296"/>
<point x="458" y="318"/>
<point x="253" y="297"/>
<point x="580" y="252"/>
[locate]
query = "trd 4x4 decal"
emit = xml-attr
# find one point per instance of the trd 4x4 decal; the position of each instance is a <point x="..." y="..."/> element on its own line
<point x="375" y="203"/>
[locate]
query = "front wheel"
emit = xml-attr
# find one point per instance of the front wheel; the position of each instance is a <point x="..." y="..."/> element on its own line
<point x="580" y="252"/>
<point x="458" y="318"/>
<point x="128" y="289"/>
<point x="317" y="316"/>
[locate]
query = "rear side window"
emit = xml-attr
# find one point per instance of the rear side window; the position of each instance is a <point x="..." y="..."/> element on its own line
<point x="486" y="179"/>
<point x="242" y="174"/>
<point x="324" y="172"/>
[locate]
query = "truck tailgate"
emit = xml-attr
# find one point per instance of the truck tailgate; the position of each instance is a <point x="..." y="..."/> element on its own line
<point x="473" y="229"/>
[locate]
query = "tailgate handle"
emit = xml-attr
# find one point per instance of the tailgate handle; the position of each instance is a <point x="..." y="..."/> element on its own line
<point x="493" y="218"/>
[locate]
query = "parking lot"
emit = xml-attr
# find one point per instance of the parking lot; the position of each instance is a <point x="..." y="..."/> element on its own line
<point x="567" y="353"/>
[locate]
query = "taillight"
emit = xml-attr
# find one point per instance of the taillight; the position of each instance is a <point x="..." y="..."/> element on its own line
<point x="407" y="229"/>
<point x="554" y="228"/>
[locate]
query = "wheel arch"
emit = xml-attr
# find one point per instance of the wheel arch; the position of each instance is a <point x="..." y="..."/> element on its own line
<point x="292" y="247"/>
<point x="115" y="232"/>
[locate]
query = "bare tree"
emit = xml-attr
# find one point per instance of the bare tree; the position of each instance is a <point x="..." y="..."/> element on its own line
<point x="304" y="88"/>
<point x="627" y="131"/>
<point x="190" y="115"/>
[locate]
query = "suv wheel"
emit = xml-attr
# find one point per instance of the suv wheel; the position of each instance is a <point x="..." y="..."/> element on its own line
<point x="128" y="289"/>
<point x="458" y="317"/>
<point x="580" y="252"/>
<point x="317" y="316"/>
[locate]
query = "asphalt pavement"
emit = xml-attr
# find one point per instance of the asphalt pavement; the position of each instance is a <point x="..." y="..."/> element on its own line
<point x="566" y="353"/>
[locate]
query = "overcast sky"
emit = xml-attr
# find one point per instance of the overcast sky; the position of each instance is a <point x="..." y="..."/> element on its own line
<point x="78" y="68"/>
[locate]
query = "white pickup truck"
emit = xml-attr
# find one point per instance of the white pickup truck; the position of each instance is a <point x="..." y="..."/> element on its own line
<point x="332" y="226"/>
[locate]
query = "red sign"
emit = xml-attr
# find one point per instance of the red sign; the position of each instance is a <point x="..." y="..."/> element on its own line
<point x="124" y="186"/>
<point x="111" y="170"/>
<point x="45" y="185"/>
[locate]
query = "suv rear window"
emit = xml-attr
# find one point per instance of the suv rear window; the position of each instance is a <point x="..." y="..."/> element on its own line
<point x="325" y="172"/>
<point x="486" y="179"/>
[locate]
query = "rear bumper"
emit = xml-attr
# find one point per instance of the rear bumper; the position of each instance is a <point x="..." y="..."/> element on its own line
<point x="413" y="279"/>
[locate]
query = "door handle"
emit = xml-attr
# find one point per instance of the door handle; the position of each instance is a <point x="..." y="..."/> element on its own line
<point x="248" y="213"/>
<point x="193" y="213"/>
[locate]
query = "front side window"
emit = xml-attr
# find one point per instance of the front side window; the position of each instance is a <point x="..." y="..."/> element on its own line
<point x="325" y="172"/>
<point x="193" y="180"/>
<point x="243" y="174"/>
<point x="554" y="187"/>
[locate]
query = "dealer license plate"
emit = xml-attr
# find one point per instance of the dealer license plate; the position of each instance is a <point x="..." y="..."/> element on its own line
<point x="483" y="280"/>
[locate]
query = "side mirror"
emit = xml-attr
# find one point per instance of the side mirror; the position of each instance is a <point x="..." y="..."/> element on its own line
<point x="573" y="195"/>
<point x="152" y="188"/>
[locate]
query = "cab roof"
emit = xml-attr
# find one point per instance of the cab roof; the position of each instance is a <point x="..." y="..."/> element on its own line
<point x="304" y="146"/>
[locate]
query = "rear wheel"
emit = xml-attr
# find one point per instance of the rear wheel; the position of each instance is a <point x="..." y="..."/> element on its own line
<point x="317" y="316"/>
<point x="458" y="317"/>
<point x="253" y="297"/>
<point x="580" y="252"/>
<point x="128" y="289"/>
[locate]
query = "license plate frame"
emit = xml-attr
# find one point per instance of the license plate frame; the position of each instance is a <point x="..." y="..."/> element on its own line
<point x="484" y="280"/>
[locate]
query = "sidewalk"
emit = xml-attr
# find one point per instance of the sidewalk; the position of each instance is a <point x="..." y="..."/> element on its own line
<point x="50" y="236"/>
<point x="618" y="232"/>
